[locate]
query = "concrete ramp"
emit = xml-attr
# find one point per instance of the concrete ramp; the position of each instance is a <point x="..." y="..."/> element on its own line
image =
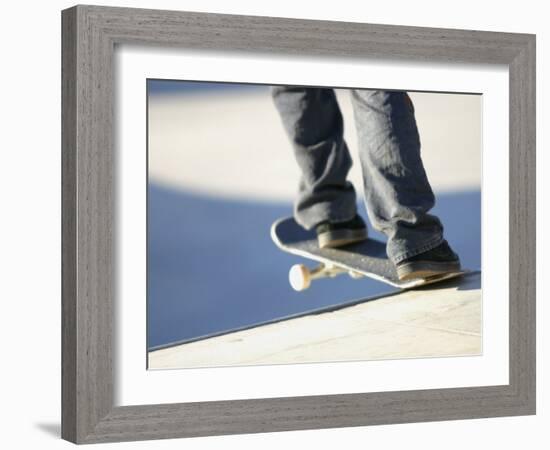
<point x="441" y="320"/>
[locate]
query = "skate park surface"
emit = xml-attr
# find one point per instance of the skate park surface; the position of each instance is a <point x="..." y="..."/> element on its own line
<point x="221" y="170"/>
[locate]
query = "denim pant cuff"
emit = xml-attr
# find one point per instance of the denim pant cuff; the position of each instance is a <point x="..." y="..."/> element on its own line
<point x="409" y="253"/>
<point x="313" y="215"/>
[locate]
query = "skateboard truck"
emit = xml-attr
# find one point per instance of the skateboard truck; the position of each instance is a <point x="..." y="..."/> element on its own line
<point x="300" y="276"/>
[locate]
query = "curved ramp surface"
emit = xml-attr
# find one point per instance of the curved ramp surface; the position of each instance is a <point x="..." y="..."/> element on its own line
<point x="435" y="321"/>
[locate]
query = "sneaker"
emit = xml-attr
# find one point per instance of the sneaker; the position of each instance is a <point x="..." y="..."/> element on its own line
<point x="337" y="234"/>
<point x="437" y="261"/>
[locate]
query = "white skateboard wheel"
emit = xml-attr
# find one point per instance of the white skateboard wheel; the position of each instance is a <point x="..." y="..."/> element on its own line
<point x="299" y="277"/>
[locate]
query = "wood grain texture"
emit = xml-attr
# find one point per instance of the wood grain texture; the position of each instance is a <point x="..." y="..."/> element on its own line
<point x="88" y="190"/>
<point x="89" y="36"/>
<point x="68" y="227"/>
<point x="523" y="224"/>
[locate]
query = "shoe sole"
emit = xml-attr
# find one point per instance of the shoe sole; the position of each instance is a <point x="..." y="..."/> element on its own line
<point x="426" y="269"/>
<point x="339" y="238"/>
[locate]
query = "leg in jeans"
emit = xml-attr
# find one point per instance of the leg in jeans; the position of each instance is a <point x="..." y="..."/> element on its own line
<point x="397" y="192"/>
<point x="313" y="122"/>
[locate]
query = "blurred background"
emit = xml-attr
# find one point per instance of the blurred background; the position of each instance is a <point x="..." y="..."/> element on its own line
<point x="221" y="171"/>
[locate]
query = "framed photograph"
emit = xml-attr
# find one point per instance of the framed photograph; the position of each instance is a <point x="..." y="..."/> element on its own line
<point x="278" y="224"/>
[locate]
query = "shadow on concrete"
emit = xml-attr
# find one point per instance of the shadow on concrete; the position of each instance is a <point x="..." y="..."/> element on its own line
<point x="470" y="281"/>
<point x="212" y="265"/>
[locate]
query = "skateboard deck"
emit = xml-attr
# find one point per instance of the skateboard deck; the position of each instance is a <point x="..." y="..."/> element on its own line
<point x="363" y="259"/>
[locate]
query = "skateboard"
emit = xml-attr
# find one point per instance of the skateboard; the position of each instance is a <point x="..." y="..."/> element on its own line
<point x="363" y="259"/>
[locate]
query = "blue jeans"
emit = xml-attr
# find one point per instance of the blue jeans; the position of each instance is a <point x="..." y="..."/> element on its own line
<point x="397" y="192"/>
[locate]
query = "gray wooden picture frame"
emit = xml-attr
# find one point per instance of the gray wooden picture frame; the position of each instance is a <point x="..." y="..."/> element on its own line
<point x="89" y="35"/>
